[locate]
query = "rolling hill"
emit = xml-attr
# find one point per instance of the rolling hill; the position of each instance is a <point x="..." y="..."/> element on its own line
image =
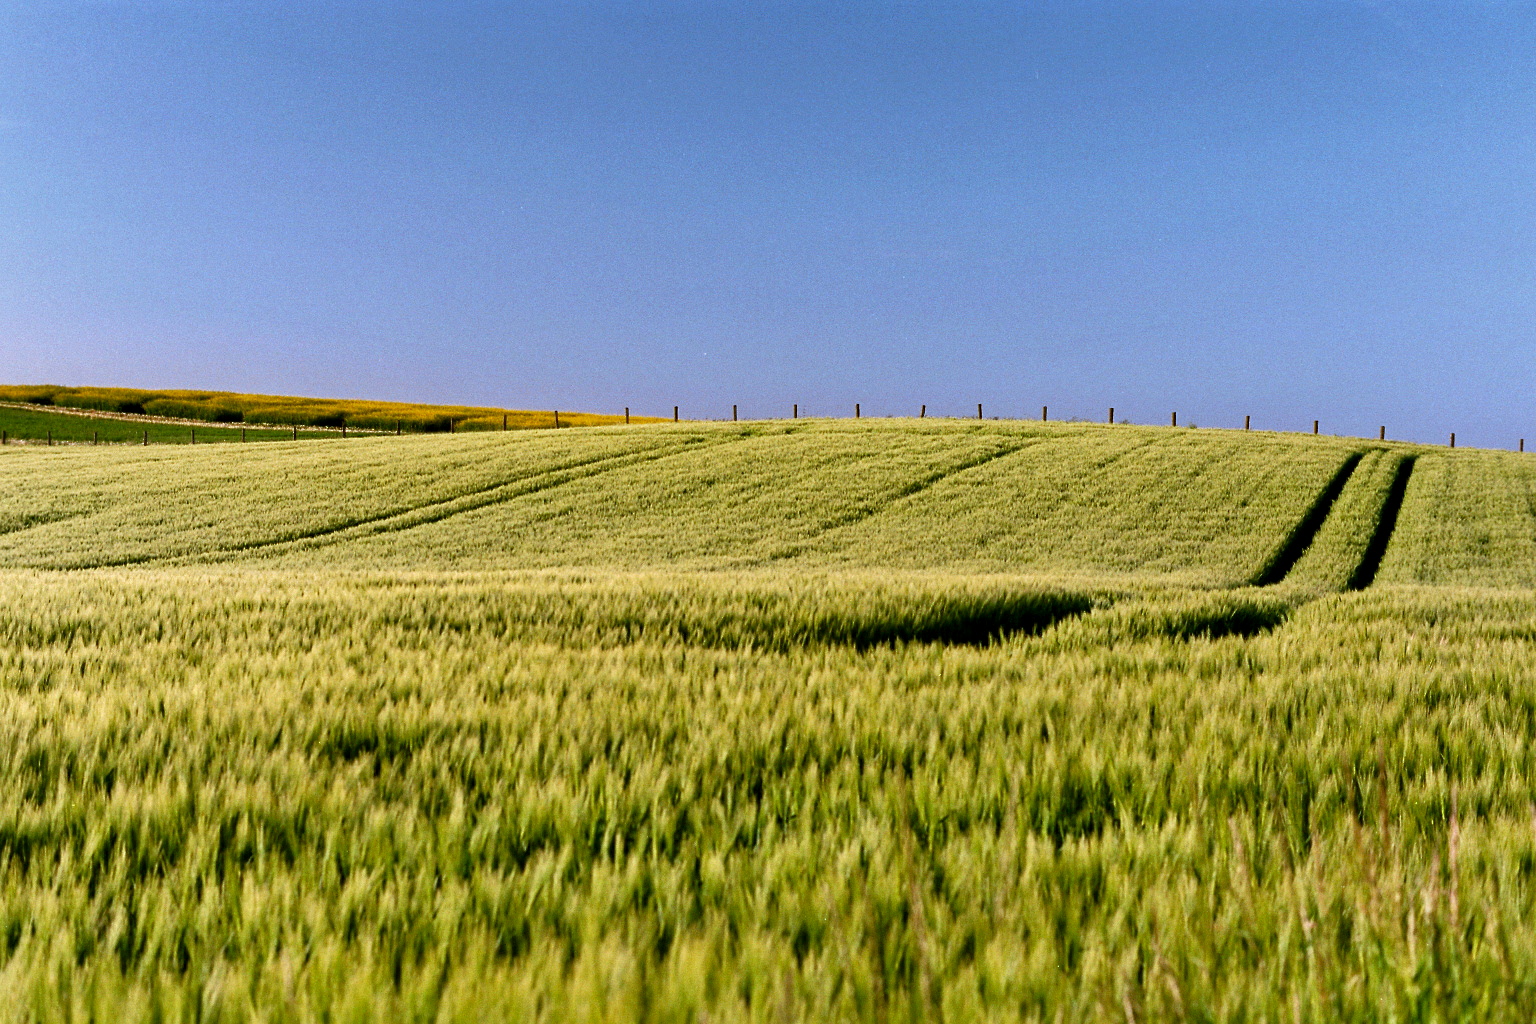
<point x="809" y="720"/>
<point x="122" y="415"/>
<point x="1209" y="508"/>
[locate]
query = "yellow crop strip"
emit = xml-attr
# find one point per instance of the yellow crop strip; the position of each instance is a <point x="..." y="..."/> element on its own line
<point x="230" y="407"/>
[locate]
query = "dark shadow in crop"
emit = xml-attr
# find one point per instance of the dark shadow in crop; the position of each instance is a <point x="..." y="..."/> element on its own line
<point x="1240" y="618"/>
<point x="1370" y="563"/>
<point x="1208" y="616"/>
<point x="355" y="740"/>
<point x="970" y="620"/>
<point x="1301" y="536"/>
<point x="974" y="623"/>
<point x="777" y="620"/>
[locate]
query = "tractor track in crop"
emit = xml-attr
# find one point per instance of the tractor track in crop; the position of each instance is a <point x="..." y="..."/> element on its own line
<point x="420" y="515"/>
<point x="1386" y="524"/>
<point x="38" y="522"/>
<point x="884" y="504"/>
<point x="1092" y="469"/>
<point x="1302" y="536"/>
<point x="1304" y="532"/>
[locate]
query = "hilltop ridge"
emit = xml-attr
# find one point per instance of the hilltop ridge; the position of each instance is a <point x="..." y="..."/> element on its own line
<point x="226" y="408"/>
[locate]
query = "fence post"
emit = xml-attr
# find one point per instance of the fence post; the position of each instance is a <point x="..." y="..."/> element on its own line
<point x="50" y="439"/>
<point x="343" y="428"/>
<point x="674" y="414"/>
<point x="922" y="413"/>
<point x="194" y="434"/>
<point x="1175" y="421"/>
<point x="733" y="414"/>
<point x="1522" y="444"/>
<point x="295" y="431"/>
<point x="1381" y="435"/>
<point x="1043" y="411"/>
<point x="626" y="415"/>
<point x="397" y="428"/>
<point x="1453" y="439"/>
<point x="5" y="437"/>
<point x="557" y="419"/>
<point x="795" y="414"/>
<point x="1247" y="422"/>
<point x="95" y="437"/>
<point x="1111" y="414"/>
<point x="978" y="410"/>
<point x="855" y="410"/>
<point x="1314" y="426"/>
<point x="146" y="437"/>
<point x="451" y="430"/>
<point x="504" y="421"/>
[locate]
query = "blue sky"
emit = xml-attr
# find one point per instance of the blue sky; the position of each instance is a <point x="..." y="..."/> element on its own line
<point x="1290" y="210"/>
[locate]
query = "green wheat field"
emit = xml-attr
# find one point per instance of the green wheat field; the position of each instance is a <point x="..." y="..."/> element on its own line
<point x="886" y="720"/>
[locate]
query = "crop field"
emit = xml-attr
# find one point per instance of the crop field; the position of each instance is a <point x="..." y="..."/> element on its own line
<point x="32" y="426"/>
<point x="823" y="721"/>
<point x="1134" y="503"/>
<point x="34" y="420"/>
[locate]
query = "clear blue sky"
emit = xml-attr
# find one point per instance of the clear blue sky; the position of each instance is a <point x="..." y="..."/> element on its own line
<point x="1295" y="210"/>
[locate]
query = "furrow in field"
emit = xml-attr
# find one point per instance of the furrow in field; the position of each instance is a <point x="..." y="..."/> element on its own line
<point x="1300" y="538"/>
<point x="1386" y="525"/>
<point x="728" y="507"/>
<point x="178" y="504"/>
<point x="1346" y="550"/>
<point x="432" y="512"/>
<point x="34" y="522"/>
<point x="957" y="515"/>
<point x="1466" y="520"/>
<point x="910" y="490"/>
<point x="1196" y="507"/>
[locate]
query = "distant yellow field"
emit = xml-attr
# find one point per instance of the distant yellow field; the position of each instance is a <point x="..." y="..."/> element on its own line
<point x="229" y="407"/>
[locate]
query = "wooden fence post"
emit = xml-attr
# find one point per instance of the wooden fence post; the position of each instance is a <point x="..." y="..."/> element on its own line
<point x="504" y="422"/>
<point x="1522" y="444"/>
<point x="5" y="437"/>
<point x="242" y="435"/>
<point x="295" y="431"/>
<point x="1314" y="426"/>
<point x="1247" y="422"/>
<point x="922" y="413"/>
<point x="146" y="437"/>
<point x="1111" y="414"/>
<point x="1175" y="421"/>
<point x="1381" y="434"/>
<point x="343" y="428"/>
<point x="397" y="428"/>
<point x="50" y="439"/>
<point x="674" y="414"/>
<point x="1453" y="439"/>
<point x="978" y="410"/>
<point x="451" y="430"/>
<point x="855" y="410"/>
<point x="1043" y="411"/>
<point x="194" y="435"/>
<point x="795" y="412"/>
<point x="626" y="415"/>
<point x="95" y="437"/>
<point x="733" y="414"/>
<point x="557" y="419"/>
